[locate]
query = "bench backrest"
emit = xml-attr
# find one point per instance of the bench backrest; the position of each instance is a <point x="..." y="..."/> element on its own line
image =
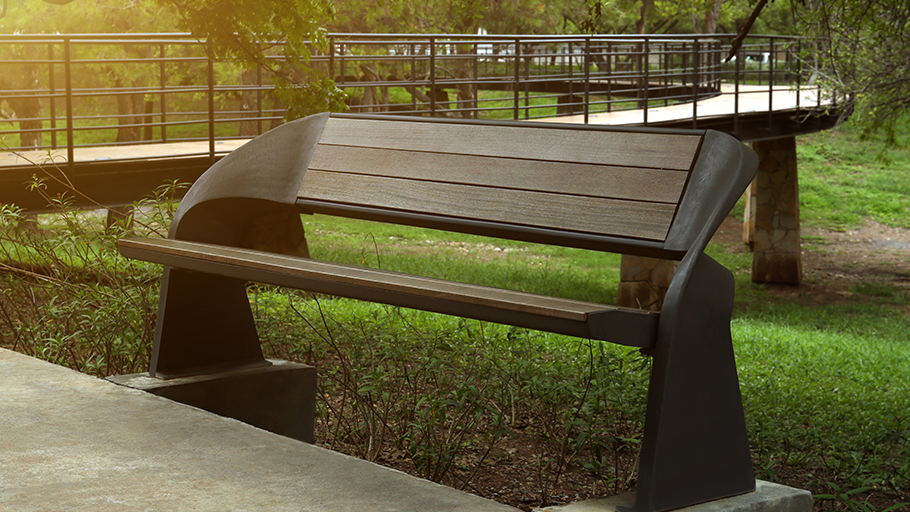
<point x="632" y="190"/>
<point x="592" y="187"/>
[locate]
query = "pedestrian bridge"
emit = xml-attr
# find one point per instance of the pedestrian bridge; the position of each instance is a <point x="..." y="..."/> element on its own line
<point x="114" y="116"/>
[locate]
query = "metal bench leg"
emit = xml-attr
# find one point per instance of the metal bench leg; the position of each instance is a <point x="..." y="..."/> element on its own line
<point x="204" y="325"/>
<point x="695" y="446"/>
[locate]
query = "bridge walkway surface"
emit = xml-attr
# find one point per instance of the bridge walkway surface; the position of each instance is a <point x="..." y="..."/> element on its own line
<point x="748" y="99"/>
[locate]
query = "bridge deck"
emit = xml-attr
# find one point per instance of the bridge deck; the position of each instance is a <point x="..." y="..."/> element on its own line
<point x="118" y="175"/>
<point x="100" y="154"/>
<point x="752" y="99"/>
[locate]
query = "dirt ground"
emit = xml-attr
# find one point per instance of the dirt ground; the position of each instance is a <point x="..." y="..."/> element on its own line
<point x="874" y="253"/>
<point x="840" y="261"/>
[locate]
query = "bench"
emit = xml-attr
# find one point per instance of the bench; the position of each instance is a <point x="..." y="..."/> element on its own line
<point x="646" y="192"/>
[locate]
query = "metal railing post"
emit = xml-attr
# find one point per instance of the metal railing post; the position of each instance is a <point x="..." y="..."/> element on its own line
<point x="516" y="95"/>
<point x="609" y="76"/>
<point x="571" y="99"/>
<point x="647" y="75"/>
<point x="162" y="79"/>
<point x="68" y="74"/>
<point x="528" y="86"/>
<point x="695" y="84"/>
<point x="799" y="72"/>
<point x="53" y="99"/>
<point x="587" y="78"/>
<point x="736" y="65"/>
<point x="411" y="48"/>
<point x="474" y="90"/>
<point x="433" y="76"/>
<point x="211" y="73"/>
<point x="664" y="59"/>
<point x="771" y="82"/>
<point x="259" y="98"/>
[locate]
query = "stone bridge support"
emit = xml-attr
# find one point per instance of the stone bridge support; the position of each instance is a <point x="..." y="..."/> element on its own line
<point x="772" y="214"/>
<point x="643" y="282"/>
<point x="771" y="229"/>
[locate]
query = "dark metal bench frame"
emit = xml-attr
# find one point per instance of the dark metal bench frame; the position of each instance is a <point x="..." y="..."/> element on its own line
<point x="695" y="447"/>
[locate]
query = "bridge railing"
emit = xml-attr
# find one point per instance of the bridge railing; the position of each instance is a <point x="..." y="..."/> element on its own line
<point x="70" y="91"/>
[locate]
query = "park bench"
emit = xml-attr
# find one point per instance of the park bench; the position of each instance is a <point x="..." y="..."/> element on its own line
<point x="646" y="192"/>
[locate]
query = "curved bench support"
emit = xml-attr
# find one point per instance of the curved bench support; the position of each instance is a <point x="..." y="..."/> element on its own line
<point x="695" y="446"/>
<point x="204" y="325"/>
<point x="204" y="321"/>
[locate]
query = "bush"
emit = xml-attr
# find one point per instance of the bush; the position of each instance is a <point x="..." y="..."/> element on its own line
<point x="66" y="294"/>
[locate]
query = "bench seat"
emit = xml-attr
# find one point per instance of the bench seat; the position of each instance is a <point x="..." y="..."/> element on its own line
<point x="625" y="326"/>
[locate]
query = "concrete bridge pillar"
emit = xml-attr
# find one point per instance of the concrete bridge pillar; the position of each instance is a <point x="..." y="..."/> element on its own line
<point x="772" y="214"/>
<point x="771" y="229"/>
<point x="643" y="282"/>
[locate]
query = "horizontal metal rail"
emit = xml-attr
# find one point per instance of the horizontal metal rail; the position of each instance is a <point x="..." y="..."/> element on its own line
<point x="62" y="92"/>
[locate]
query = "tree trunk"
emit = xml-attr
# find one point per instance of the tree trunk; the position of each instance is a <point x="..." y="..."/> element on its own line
<point x="465" y="69"/>
<point x="26" y="110"/>
<point x="128" y="105"/>
<point x="645" y="6"/>
<point x="371" y="101"/>
<point x="712" y="16"/>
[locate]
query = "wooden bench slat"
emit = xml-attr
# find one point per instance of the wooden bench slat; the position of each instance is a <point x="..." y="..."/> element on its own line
<point x="655" y="150"/>
<point x="649" y="221"/>
<point x="150" y="249"/>
<point x="640" y="184"/>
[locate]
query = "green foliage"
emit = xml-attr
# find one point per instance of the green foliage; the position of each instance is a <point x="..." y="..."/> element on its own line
<point x="859" y="55"/>
<point x="311" y="97"/>
<point x="278" y="35"/>
<point x="67" y="296"/>
<point x="240" y="30"/>
<point x="847" y="499"/>
<point x="451" y="17"/>
<point x="85" y="16"/>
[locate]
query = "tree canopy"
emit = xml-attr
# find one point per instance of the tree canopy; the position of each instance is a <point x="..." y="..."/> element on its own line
<point x="863" y="52"/>
<point x="858" y="48"/>
<point x="857" y="51"/>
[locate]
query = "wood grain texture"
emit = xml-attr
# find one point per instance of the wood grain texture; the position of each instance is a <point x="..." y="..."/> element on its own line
<point x="654" y="150"/>
<point x="148" y="248"/>
<point x="606" y="181"/>
<point x="649" y="221"/>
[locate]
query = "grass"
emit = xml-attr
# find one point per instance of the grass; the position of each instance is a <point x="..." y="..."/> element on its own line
<point x="824" y="397"/>
<point x="503" y="263"/>
<point x="825" y="385"/>
<point x="845" y="179"/>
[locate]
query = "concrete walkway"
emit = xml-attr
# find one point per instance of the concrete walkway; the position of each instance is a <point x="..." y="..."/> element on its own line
<point x="71" y="442"/>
